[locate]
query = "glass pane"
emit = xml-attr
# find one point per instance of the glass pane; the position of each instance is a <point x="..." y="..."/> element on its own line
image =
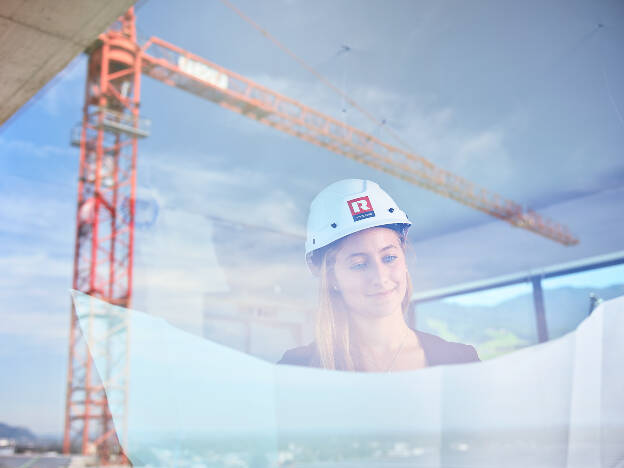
<point x="494" y="321"/>
<point x="209" y="233"/>
<point x="568" y="299"/>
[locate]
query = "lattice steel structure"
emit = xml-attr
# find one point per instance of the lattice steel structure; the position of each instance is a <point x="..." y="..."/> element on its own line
<point x="104" y="238"/>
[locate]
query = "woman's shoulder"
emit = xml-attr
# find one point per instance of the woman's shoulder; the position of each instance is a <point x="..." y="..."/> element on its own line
<point x="301" y="356"/>
<point x="440" y="351"/>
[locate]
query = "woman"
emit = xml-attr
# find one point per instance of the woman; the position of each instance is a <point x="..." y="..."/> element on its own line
<point x="356" y="245"/>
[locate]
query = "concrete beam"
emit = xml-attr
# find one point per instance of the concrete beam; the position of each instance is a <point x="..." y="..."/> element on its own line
<point x="38" y="38"/>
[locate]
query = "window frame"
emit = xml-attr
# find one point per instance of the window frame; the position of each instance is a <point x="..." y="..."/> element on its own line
<point x="533" y="277"/>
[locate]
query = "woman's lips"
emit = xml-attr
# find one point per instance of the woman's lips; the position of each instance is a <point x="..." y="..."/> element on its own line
<point x="383" y="293"/>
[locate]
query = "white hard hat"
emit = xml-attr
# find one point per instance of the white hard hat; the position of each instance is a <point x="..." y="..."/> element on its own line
<point x="349" y="206"/>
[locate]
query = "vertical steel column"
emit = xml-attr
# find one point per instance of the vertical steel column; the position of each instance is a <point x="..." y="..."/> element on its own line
<point x="540" y="312"/>
<point x="411" y="314"/>
<point x="104" y="242"/>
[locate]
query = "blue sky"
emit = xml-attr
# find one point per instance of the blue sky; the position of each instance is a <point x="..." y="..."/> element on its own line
<point x="522" y="98"/>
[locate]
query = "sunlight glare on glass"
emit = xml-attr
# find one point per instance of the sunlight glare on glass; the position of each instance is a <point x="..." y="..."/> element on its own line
<point x="599" y="278"/>
<point x="490" y="297"/>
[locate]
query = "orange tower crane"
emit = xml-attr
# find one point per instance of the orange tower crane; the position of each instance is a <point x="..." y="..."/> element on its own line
<point x="108" y="138"/>
<point x="104" y="233"/>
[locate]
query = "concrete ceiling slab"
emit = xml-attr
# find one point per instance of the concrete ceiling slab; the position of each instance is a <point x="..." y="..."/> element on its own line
<point x="38" y="38"/>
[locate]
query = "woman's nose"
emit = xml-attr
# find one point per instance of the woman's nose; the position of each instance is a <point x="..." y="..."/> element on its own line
<point x="379" y="273"/>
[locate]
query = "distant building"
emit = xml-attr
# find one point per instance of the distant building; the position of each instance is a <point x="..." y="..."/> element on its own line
<point x="45" y="460"/>
<point x="7" y="446"/>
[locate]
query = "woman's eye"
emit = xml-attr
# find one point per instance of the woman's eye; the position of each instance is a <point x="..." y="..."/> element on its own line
<point x="358" y="266"/>
<point x="390" y="258"/>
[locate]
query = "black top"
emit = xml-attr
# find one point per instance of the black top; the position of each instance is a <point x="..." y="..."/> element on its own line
<point x="437" y="352"/>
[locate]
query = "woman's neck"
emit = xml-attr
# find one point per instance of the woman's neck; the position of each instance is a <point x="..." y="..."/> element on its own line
<point x="381" y="333"/>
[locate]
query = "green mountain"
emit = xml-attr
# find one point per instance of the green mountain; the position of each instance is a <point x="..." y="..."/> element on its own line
<point x="19" y="434"/>
<point x="495" y="330"/>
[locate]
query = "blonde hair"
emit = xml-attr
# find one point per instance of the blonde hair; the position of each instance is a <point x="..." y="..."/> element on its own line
<point x="333" y="337"/>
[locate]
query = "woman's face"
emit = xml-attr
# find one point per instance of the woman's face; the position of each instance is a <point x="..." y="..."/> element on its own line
<point x="371" y="272"/>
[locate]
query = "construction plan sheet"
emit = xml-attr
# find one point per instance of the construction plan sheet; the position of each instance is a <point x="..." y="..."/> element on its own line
<point x="189" y="401"/>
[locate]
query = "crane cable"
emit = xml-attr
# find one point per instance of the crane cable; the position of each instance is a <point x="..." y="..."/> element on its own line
<point x="309" y="68"/>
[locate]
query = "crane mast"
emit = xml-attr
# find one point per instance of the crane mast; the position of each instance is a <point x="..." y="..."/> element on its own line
<point x="104" y="237"/>
<point x="104" y="242"/>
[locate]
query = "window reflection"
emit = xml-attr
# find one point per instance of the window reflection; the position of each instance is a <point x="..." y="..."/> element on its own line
<point x="494" y="321"/>
<point x="570" y="298"/>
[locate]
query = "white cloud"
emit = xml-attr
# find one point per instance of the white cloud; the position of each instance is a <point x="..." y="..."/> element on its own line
<point x="432" y="130"/>
<point x="193" y="171"/>
<point x="23" y="148"/>
<point x="33" y="211"/>
<point x="66" y="88"/>
<point x="35" y="298"/>
<point x="233" y="193"/>
<point x="43" y="328"/>
<point x="38" y="264"/>
<point x="485" y="155"/>
<point x="485" y="149"/>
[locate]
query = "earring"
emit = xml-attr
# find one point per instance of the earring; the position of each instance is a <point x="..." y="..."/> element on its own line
<point x="335" y="288"/>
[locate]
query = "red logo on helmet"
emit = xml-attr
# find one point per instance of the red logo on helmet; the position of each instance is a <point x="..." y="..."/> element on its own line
<point x="361" y="208"/>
